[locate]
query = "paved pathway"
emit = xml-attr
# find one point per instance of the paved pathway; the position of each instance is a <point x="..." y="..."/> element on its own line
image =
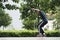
<point x="29" y="38"/>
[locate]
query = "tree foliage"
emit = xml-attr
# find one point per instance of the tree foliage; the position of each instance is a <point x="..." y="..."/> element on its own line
<point x="16" y="1"/>
<point x="57" y="17"/>
<point x="56" y="3"/>
<point x="5" y="19"/>
<point x="9" y="6"/>
<point x="45" y="5"/>
<point x="28" y="15"/>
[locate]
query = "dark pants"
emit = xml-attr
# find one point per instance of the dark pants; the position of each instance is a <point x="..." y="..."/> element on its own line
<point x="41" y="24"/>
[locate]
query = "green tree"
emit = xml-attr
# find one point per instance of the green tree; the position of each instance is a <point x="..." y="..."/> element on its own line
<point x="56" y="4"/>
<point x="5" y="19"/>
<point x="28" y="14"/>
<point x="57" y="17"/>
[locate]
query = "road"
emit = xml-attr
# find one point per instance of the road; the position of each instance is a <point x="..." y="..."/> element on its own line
<point x="29" y="38"/>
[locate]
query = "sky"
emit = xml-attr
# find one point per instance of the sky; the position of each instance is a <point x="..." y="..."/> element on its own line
<point x="15" y="14"/>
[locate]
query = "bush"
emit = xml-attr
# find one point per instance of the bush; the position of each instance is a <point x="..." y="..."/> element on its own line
<point x="16" y="33"/>
<point x="27" y="33"/>
<point x="53" y="33"/>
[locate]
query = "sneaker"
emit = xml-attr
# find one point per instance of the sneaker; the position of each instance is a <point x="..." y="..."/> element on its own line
<point x="44" y="35"/>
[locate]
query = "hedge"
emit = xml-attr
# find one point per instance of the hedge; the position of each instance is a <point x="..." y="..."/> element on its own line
<point x="18" y="33"/>
<point x="27" y="33"/>
<point x="53" y="33"/>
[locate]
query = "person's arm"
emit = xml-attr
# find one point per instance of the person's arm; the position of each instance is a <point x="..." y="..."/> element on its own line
<point x="36" y="10"/>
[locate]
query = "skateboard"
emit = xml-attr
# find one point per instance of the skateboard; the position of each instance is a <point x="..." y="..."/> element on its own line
<point x="40" y="35"/>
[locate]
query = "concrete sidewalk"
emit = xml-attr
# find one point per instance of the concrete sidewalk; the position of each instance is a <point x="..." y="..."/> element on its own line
<point x="29" y="38"/>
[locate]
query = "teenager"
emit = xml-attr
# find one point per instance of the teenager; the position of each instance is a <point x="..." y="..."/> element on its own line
<point x="42" y="23"/>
